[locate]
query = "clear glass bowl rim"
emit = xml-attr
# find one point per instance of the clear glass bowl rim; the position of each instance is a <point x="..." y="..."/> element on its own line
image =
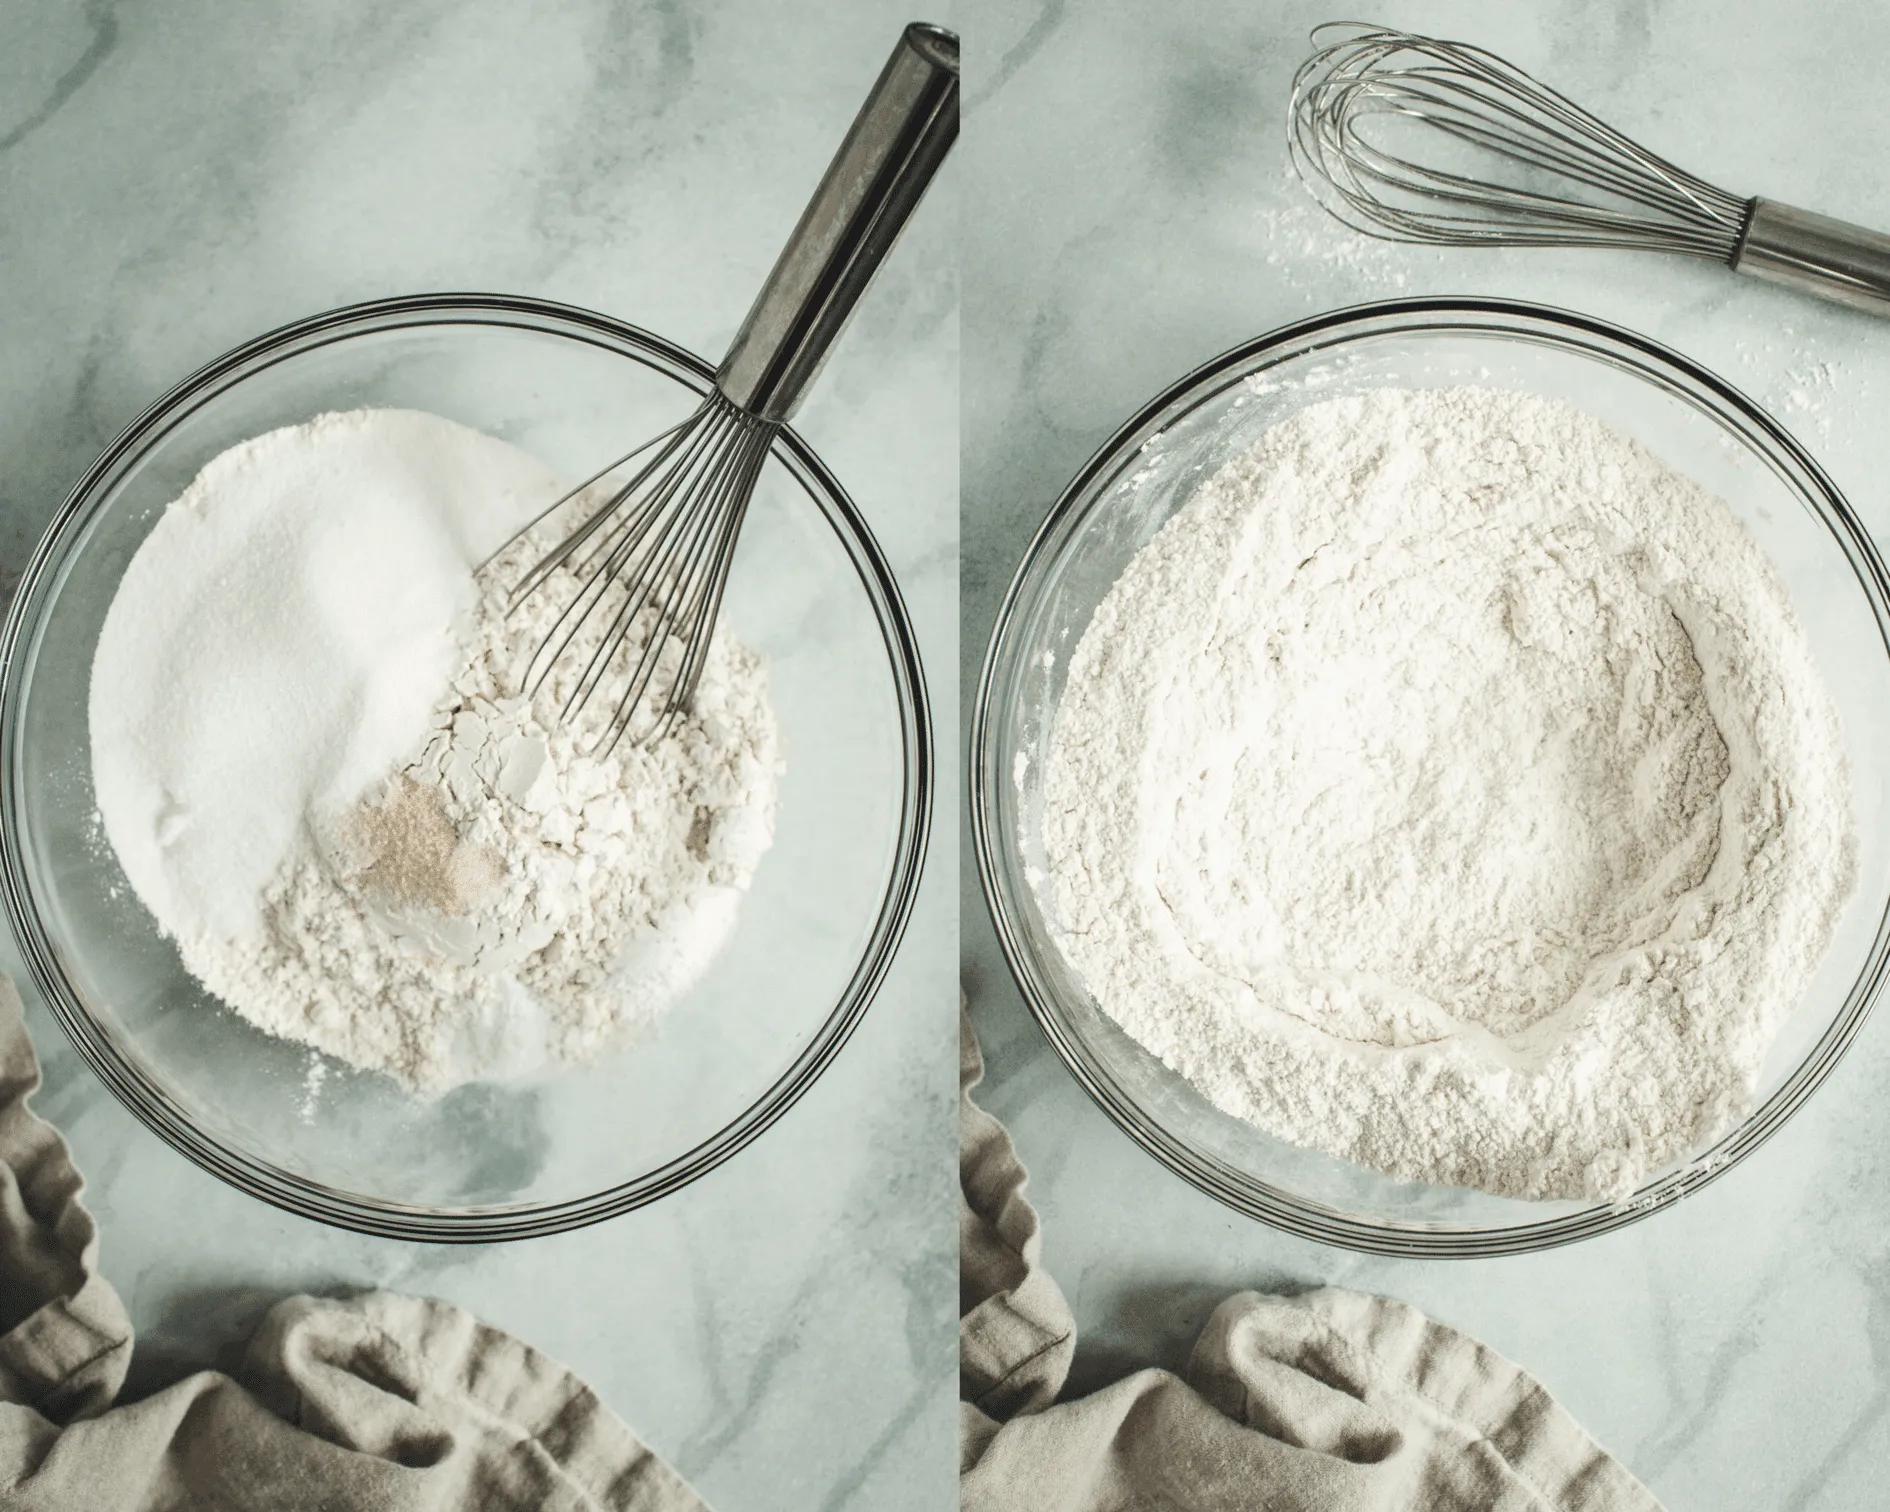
<point x="147" y="1100"/>
<point x="999" y="869"/>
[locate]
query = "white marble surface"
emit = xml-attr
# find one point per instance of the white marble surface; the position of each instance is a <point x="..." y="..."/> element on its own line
<point x="1130" y="217"/>
<point x="177" y="176"/>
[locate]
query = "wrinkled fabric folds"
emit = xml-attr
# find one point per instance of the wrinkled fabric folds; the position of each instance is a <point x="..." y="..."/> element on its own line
<point x="1332" y="1401"/>
<point x="379" y="1403"/>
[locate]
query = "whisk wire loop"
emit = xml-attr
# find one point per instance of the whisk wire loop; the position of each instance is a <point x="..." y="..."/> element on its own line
<point x="633" y="588"/>
<point x="1582" y="182"/>
<point x="549" y="563"/>
<point x="684" y="442"/>
<point x="706" y="603"/>
<point x="690" y="553"/>
<point x="647" y="538"/>
<point x="648" y="559"/>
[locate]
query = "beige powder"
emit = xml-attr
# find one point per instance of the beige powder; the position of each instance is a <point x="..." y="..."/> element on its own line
<point x="409" y="851"/>
<point x="1450" y="786"/>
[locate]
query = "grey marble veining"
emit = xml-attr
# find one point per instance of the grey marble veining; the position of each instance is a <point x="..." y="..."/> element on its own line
<point x="176" y="177"/>
<point x="1132" y="216"/>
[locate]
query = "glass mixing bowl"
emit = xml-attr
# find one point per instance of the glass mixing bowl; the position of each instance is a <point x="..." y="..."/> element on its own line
<point x="1151" y="467"/>
<point x="809" y="589"/>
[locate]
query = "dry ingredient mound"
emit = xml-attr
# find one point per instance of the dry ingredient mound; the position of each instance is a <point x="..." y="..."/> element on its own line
<point x="312" y="762"/>
<point x="1449" y="786"/>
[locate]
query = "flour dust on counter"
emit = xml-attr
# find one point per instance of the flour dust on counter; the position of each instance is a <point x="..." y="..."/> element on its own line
<point x="312" y="759"/>
<point x="1449" y="786"/>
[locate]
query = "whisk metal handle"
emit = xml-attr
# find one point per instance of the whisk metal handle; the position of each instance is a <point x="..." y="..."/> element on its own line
<point x="1815" y="254"/>
<point x="870" y="190"/>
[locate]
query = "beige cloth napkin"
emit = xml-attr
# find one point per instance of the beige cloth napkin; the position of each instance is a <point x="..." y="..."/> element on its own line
<point x="379" y="1404"/>
<point x="1328" y="1402"/>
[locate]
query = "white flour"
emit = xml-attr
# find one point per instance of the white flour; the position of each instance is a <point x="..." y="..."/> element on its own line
<point x="309" y="760"/>
<point x="1449" y="786"/>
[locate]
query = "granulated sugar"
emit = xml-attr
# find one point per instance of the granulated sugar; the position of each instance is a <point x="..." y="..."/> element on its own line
<point x="279" y="641"/>
<point x="311" y="760"/>
<point x="1449" y="786"/>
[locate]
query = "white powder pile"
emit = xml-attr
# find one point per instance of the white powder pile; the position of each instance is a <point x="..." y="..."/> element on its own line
<point x="1449" y="786"/>
<point x="311" y="760"/>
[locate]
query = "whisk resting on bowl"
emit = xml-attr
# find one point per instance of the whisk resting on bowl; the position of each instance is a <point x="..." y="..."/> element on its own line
<point x="648" y="562"/>
<point x="1499" y="159"/>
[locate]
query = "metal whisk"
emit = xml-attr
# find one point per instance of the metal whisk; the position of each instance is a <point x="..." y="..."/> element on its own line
<point x="653" y="558"/>
<point x="1509" y="162"/>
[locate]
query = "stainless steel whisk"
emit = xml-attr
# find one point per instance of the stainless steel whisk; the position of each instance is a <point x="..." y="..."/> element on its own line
<point x="654" y="556"/>
<point x="1574" y="180"/>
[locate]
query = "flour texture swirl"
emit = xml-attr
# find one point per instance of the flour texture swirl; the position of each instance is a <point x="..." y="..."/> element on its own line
<point x="1449" y="785"/>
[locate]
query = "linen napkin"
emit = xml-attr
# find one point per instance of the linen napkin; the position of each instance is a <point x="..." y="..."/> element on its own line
<point x="381" y="1403"/>
<point x="1329" y="1402"/>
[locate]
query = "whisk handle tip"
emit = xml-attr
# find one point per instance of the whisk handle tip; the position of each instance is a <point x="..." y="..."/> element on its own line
<point x="875" y="182"/>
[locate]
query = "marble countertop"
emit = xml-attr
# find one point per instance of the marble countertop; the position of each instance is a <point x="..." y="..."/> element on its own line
<point x="179" y="177"/>
<point x="1132" y="217"/>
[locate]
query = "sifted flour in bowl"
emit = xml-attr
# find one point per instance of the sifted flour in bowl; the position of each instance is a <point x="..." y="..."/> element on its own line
<point x="1449" y="786"/>
<point x="310" y="758"/>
